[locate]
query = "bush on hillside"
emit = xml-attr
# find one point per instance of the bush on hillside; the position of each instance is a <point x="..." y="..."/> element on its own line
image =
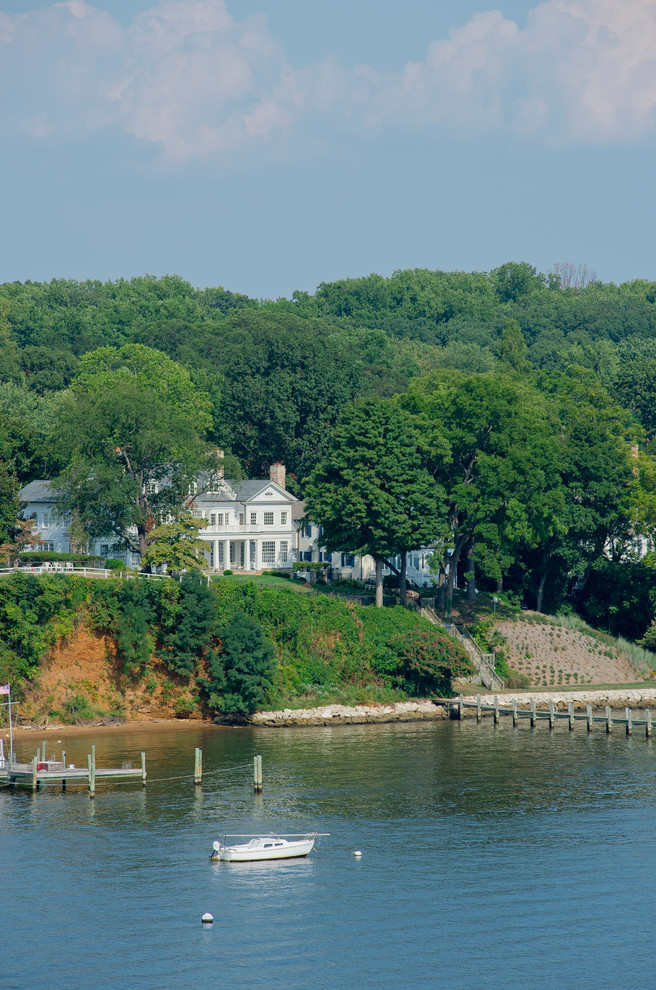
<point x="246" y="665"/>
<point x="426" y="662"/>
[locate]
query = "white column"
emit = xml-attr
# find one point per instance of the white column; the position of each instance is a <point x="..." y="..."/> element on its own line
<point x="226" y="554"/>
<point x="215" y="546"/>
<point x="258" y="556"/>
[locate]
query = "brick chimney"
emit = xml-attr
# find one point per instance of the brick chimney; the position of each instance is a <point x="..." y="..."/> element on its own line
<point x="277" y="474"/>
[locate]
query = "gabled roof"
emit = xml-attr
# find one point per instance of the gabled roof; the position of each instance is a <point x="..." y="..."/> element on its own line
<point x="38" y="491"/>
<point x="240" y="491"/>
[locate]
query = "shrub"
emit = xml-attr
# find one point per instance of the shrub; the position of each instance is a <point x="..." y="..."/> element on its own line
<point x="246" y="662"/>
<point x="427" y="662"/>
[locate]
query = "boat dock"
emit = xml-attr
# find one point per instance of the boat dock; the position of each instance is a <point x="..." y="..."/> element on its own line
<point x="41" y="771"/>
<point x="458" y="707"/>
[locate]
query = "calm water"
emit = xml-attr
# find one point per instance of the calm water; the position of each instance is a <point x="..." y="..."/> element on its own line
<point x="491" y="858"/>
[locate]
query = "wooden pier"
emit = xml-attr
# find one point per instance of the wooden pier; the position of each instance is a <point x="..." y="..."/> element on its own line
<point x="551" y="714"/>
<point x="41" y="771"/>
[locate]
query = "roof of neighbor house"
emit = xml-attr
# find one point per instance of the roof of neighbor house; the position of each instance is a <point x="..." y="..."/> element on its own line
<point x="243" y="491"/>
<point x="38" y="491"/>
<point x="298" y="510"/>
<point x="240" y="491"/>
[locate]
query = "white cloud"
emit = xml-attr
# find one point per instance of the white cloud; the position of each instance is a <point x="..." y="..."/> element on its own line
<point x="187" y="77"/>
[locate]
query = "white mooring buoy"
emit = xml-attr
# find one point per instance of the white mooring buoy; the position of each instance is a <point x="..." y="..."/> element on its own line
<point x="207" y="918"/>
<point x="357" y="852"/>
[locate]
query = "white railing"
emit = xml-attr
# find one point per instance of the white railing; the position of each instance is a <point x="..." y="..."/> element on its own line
<point x="95" y="572"/>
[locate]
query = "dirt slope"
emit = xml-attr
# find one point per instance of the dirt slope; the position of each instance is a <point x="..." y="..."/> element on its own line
<point x="552" y="655"/>
<point x="81" y="680"/>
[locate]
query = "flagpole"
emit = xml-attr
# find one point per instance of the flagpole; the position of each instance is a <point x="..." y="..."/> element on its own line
<point x="11" y="737"/>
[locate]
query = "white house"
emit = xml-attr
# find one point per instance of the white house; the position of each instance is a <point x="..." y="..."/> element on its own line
<point x="345" y="565"/>
<point x="252" y="525"/>
<point x="249" y="523"/>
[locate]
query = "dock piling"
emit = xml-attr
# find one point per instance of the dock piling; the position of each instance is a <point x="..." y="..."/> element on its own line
<point x="43" y="751"/>
<point x="143" y="769"/>
<point x="496" y="709"/>
<point x="514" y="711"/>
<point x="629" y="714"/>
<point x="609" y="720"/>
<point x="533" y="713"/>
<point x="552" y="715"/>
<point x="478" y="707"/>
<point x="257" y="774"/>
<point x="35" y="782"/>
<point x="570" y="712"/>
<point x="63" y="767"/>
<point x="647" y="723"/>
<point x="92" y="776"/>
<point x="588" y="712"/>
<point x="198" y="765"/>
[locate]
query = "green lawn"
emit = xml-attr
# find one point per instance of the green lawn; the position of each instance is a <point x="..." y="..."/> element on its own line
<point x="266" y="581"/>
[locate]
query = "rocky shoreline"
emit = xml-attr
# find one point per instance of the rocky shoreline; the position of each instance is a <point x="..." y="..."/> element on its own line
<point x="413" y="711"/>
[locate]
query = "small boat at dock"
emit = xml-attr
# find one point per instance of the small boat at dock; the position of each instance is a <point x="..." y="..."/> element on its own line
<point x="262" y="847"/>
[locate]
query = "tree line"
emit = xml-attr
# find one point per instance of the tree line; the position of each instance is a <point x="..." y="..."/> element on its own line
<point x="514" y="412"/>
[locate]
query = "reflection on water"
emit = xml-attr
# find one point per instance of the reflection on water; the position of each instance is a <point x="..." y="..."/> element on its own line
<point x="490" y="856"/>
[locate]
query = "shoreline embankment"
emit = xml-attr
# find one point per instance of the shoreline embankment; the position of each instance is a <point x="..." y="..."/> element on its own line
<point x="401" y="711"/>
<point x="410" y="711"/>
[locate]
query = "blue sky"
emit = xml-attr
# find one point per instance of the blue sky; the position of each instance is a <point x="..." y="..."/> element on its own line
<point x="268" y="145"/>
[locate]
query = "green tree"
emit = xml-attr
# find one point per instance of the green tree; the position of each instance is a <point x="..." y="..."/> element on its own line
<point x="491" y="448"/>
<point x="635" y="389"/>
<point x="513" y="352"/>
<point x="371" y="492"/>
<point x="191" y="626"/>
<point x="177" y="544"/>
<point x="247" y="666"/>
<point x="133" y="432"/>
<point x="597" y="477"/>
<point x="515" y="279"/>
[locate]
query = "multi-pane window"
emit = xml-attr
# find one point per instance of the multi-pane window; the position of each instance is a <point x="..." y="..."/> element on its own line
<point x="47" y="547"/>
<point x="283" y="518"/>
<point x="268" y="550"/>
<point x="219" y="518"/>
<point x="45" y="520"/>
<point x="268" y="518"/>
<point x="241" y="518"/>
<point x="192" y="488"/>
<point x="284" y="551"/>
<point x="348" y="560"/>
<point x="253" y="518"/>
<point x="212" y="518"/>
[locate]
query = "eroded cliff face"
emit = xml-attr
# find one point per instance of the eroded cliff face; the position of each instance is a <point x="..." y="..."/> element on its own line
<point x="81" y="680"/>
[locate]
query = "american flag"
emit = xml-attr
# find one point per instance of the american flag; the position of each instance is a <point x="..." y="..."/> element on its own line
<point x="4" y="689"/>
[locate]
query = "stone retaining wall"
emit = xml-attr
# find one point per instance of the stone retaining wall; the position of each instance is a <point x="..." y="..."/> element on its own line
<point x="412" y="711"/>
<point x="402" y="711"/>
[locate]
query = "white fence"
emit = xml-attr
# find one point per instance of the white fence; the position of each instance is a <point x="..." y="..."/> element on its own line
<point x="68" y="568"/>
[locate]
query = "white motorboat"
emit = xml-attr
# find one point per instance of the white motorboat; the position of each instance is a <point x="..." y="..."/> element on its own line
<point x="261" y="847"/>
